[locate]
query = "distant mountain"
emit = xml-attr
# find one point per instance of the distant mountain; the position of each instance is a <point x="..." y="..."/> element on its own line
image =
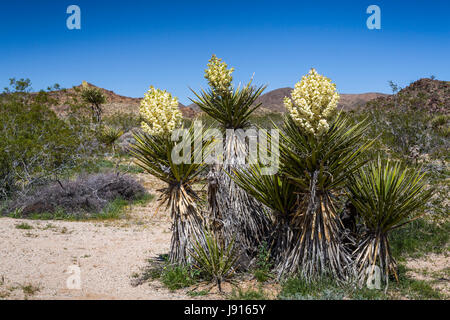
<point x="272" y="101"/>
<point x="355" y="101"/>
<point x="115" y="102"/>
<point x="434" y="95"/>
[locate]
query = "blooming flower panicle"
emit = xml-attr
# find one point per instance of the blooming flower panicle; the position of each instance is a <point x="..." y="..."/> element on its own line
<point x="160" y="112"/>
<point x="313" y="101"/>
<point x="218" y="76"/>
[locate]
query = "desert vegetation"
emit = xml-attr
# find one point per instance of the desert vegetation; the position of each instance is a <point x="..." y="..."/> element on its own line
<point x="355" y="192"/>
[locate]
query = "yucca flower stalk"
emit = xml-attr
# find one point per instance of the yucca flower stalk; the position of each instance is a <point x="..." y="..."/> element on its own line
<point x="387" y="196"/>
<point x="318" y="152"/>
<point x="153" y="152"/>
<point x="236" y="215"/>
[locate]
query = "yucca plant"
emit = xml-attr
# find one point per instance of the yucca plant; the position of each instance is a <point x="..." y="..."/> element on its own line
<point x="320" y="167"/>
<point x="235" y="213"/>
<point x="213" y="258"/>
<point x="154" y="154"/>
<point x="280" y="194"/>
<point x="95" y="98"/>
<point x="109" y="135"/>
<point x="386" y="196"/>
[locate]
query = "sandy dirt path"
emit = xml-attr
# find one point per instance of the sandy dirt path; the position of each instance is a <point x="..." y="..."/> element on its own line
<point x="107" y="253"/>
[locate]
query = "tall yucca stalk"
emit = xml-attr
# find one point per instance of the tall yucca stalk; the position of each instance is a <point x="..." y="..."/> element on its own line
<point x="280" y="195"/>
<point x="387" y="196"/>
<point x="154" y="154"/>
<point x="320" y="166"/>
<point x="236" y="214"/>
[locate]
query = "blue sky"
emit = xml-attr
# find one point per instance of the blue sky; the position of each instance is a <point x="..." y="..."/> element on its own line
<point x="126" y="46"/>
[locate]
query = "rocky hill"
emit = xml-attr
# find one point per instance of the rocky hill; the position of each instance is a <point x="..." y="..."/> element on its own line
<point x="424" y="94"/>
<point x="115" y="103"/>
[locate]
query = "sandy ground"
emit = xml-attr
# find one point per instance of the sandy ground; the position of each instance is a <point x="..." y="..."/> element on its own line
<point x="107" y="255"/>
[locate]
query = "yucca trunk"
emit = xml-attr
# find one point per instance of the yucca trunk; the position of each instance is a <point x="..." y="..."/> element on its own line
<point x="372" y="251"/>
<point x="234" y="213"/>
<point x="187" y="223"/>
<point x="283" y="244"/>
<point x="318" y="248"/>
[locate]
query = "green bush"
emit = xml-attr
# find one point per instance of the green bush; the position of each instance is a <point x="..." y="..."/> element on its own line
<point x="176" y="277"/>
<point x="400" y="131"/>
<point x="35" y="143"/>
<point x="123" y="121"/>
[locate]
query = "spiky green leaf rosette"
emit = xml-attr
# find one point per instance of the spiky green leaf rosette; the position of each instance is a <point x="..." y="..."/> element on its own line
<point x="280" y="194"/>
<point x="387" y="196"/>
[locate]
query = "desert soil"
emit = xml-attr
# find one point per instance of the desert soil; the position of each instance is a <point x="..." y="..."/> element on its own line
<point x="107" y="253"/>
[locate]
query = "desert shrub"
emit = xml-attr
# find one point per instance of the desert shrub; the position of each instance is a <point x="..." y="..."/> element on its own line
<point x="87" y="195"/>
<point x="419" y="237"/>
<point x="267" y="120"/>
<point x="263" y="264"/>
<point x="123" y="121"/>
<point x="173" y="276"/>
<point x="248" y="294"/>
<point x="326" y="288"/>
<point x="177" y="276"/>
<point x="405" y="133"/>
<point x="440" y="120"/>
<point x="35" y="144"/>
<point x="298" y="288"/>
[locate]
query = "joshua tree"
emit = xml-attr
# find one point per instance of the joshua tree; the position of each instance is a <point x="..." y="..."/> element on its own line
<point x="395" y="89"/>
<point x="235" y="214"/>
<point x="95" y="98"/>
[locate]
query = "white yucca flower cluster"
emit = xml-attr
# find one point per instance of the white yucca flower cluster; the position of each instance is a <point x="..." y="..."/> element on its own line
<point x="217" y="74"/>
<point x="160" y="112"/>
<point x="313" y="100"/>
